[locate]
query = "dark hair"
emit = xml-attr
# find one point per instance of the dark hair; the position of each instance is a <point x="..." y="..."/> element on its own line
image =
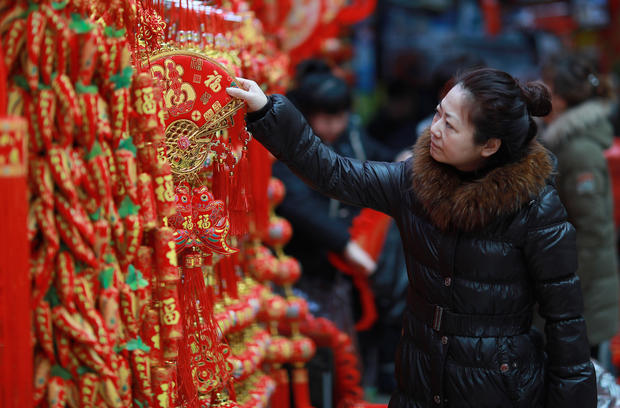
<point x="574" y="78"/>
<point x="317" y="90"/>
<point x="502" y="108"/>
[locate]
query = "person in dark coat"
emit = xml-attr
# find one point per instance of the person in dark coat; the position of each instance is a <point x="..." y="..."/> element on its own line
<point x="578" y="135"/>
<point x="485" y="237"/>
<point x="320" y="223"/>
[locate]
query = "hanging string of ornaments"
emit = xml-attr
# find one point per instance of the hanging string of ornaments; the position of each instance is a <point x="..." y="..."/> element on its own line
<point x="147" y="200"/>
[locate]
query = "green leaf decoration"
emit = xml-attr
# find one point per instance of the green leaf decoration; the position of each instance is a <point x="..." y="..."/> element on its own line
<point x="21" y="82"/>
<point x="123" y="78"/>
<point x="113" y="32"/>
<point x="59" y="5"/>
<point x="95" y="151"/>
<point x="128" y="208"/>
<point x="138" y="403"/>
<point x="109" y="258"/>
<point x="127" y="144"/>
<point x="85" y="369"/>
<point x="135" y="280"/>
<point x="96" y="216"/>
<point x="79" y="24"/>
<point x="52" y="297"/>
<point x="32" y="7"/>
<point x="59" y="371"/>
<point x="137" y="344"/>
<point x="105" y="277"/>
<point x="82" y="89"/>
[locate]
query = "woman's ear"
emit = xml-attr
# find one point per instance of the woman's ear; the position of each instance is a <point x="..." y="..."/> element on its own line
<point x="491" y="147"/>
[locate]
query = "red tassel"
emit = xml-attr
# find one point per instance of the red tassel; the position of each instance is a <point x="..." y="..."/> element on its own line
<point x="301" y="391"/>
<point x="239" y="206"/>
<point x="281" y="397"/>
<point x="227" y="275"/>
<point x="220" y="183"/>
<point x="197" y="306"/>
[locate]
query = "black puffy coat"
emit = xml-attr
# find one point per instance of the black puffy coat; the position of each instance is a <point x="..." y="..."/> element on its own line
<point x="480" y="251"/>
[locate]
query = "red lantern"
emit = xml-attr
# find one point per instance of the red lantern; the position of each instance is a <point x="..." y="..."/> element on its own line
<point x="288" y="272"/>
<point x="275" y="191"/>
<point x="297" y="309"/>
<point x="279" y="351"/>
<point x="278" y="233"/>
<point x="263" y="268"/>
<point x="274" y="309"/>
<point x="303" y="349"/>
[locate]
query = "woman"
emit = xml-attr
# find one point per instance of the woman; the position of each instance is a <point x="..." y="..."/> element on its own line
<point x="578" y="135"/>
<point x="485" y="237"/>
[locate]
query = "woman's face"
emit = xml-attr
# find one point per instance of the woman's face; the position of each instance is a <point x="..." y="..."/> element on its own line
<point x="452" y="134"/>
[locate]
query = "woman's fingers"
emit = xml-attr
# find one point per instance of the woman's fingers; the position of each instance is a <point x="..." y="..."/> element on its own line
<point x="237" y="93"/>
<point x="250" y="92"/>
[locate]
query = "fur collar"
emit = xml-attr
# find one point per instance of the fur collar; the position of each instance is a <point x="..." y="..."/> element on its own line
<point x="574" y="120"/>
<point x="468" y="205"/>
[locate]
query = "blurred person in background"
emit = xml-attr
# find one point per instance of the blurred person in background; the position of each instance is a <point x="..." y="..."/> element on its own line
<point x="394" y="124"/>
<point x="578" y="132"/>
<point x="321" y="224"/>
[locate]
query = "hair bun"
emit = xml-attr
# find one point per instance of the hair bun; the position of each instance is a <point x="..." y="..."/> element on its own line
<point x="537" y="97"/>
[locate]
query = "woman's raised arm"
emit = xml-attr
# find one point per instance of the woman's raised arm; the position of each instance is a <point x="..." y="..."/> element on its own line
<point x="282" y="129"/>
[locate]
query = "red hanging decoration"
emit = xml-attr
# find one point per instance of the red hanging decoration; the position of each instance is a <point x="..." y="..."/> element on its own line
<point x="369" y="230"/>
<point x="16" y="362"/>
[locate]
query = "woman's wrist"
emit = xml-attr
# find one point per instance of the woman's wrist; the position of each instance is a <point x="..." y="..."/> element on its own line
<point x="259" y="114"/>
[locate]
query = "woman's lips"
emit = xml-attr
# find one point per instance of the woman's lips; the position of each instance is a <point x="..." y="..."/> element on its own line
<point x="434" y="146"/>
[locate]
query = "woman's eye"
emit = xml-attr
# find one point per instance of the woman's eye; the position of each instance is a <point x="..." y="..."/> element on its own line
<point x="448" y="125"/>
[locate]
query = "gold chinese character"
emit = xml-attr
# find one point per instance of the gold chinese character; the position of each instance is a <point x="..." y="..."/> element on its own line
<point x="213" y="81"/>
<point x="171" y="315"/>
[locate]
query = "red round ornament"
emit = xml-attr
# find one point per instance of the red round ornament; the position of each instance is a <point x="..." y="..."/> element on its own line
<point x="278" y="233"/>
<point x="303" y="349"/>
<point x="275" y="191"/>
<point x="288" y="272"/>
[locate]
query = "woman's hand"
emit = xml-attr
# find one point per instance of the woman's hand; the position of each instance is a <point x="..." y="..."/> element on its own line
<point x="250" y="92"/>
<point x="356" y="256"/>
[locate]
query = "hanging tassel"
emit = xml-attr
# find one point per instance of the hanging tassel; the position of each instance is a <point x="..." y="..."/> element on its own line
<point x="301" y="390"/>
<point x="239" y="206"/>
<point x="281" y="397"/>
<point x="200" y="327"/>
<point x="220" y="183"/>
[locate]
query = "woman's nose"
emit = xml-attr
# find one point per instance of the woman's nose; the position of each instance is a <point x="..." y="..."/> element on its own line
<point x="435" y="130"/>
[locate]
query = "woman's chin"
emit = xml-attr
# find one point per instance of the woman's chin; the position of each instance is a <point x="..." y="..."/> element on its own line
<point x="434" y="154"/>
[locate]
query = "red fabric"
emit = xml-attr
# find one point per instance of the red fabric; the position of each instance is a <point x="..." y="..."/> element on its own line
<point x="492" y="16"/>
<point x="16" y="365"/>
<point x="369" y="230"/>
<point x="356" y="11"/>
<point x="613" y="161"/>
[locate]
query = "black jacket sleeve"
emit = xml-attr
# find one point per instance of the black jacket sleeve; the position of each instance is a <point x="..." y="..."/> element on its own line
<point x="300" y="206"/>
<point x="287" y="135"/>
<point x="550" y="250"/>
